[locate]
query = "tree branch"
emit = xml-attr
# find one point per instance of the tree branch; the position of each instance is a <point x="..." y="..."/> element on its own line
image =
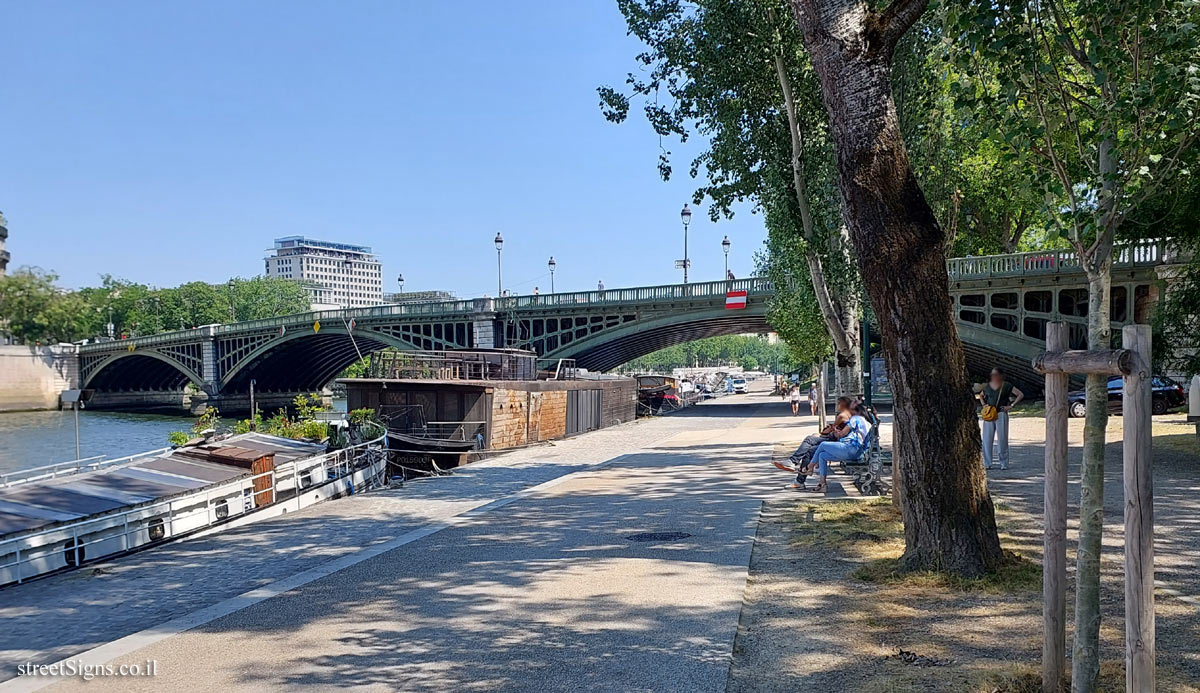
<point x="898" y="18"/>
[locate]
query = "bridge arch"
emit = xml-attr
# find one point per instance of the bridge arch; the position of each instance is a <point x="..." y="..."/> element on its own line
<point x="304" y="360"/>
<point x="609" y="348"/>
<point x="141" y="369"/>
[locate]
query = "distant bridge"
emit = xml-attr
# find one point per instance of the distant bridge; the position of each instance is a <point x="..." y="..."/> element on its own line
<point x="1002" y="304"/>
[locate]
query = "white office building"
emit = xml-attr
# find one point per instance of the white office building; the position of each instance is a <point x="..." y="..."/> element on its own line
<point x="337" y="275"/>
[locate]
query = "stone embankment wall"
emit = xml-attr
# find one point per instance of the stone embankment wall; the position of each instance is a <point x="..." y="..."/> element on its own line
<point x="33" y="377"/>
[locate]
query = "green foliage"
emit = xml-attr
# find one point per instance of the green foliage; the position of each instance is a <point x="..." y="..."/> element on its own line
<point x="1177" y="321"/>
<point x="752" y="353"/>
<point x="721" y="81"/>
<point x="211" y="418"/>
<point x="308" y="405"/>
<point x="364" y="415"/>
<point x="1095" y="100"/>
<point x="37" y="311"/>
<point x="178" y="438"/>
<point x="302" y="426"/>
<point x="358" y="369"/>
<point x="33" y="310"/>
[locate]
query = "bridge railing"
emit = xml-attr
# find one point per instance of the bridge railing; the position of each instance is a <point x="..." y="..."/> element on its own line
<point x="334" y="317"/>
<point x="641" y="294"/>
<point x="1151" y="252"/>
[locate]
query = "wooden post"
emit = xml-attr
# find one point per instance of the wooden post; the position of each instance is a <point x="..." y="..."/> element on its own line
<point x="1054" y="561"/>
<point x="1139" y="514"/>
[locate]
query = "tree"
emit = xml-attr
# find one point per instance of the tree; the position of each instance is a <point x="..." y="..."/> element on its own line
<point x="720" y="351"/>
<point x="33" y="310"/>
<point x="750" y="93"/>
<point x="949" y="520"/>
<point x="1099" y="100"/>
<point x="267" y="297"/>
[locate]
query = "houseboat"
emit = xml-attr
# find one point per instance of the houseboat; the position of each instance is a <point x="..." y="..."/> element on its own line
<point x="62" y="516"/>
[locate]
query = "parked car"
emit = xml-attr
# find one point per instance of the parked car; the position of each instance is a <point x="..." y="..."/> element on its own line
<point x="739" y="385"/>
<point x="1166" y="395"/>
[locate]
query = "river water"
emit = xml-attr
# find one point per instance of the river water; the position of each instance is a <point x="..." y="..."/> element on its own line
<point x="37" y="438"/>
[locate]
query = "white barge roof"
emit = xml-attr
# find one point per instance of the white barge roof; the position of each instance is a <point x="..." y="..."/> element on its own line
<point x="101" y="489"/>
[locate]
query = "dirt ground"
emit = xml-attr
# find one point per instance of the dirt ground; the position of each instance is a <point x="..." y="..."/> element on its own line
<point x="808" y="624"/>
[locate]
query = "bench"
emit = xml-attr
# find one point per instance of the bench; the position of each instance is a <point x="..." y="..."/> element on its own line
<point x="869" y="481"/>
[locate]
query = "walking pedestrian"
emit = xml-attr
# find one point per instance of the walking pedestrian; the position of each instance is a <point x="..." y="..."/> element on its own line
<point x="795" y="397"/>
<point x="600" y="285"/>
<point x="814" y="396"/>
<point x="998" y="397"/>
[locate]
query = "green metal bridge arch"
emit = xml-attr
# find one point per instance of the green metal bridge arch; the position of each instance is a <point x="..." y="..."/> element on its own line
<point x="1001" y="303"/>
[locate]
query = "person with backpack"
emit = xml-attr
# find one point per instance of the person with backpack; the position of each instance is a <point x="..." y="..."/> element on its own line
<point x="998" y="397"/>
<point x="850" y="444"/>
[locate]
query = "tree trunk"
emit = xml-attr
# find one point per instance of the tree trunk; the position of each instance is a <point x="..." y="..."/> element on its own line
<point x="839" y="316"/>
<point x="1085" y="652"/>
<point x="1097" y="261"/>
<point x="949" y="521"/>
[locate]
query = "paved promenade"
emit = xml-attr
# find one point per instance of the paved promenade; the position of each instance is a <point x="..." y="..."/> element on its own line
<point x="513" y="574"/>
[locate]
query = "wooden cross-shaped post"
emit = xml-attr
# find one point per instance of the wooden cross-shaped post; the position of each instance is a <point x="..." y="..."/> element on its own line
<point x="1132" y="362"/>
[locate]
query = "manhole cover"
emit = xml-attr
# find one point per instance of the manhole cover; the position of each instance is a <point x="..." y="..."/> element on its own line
<point x="658" y="536"/>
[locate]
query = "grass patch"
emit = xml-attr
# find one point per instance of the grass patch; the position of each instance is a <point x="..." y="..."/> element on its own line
<point x="1016" y="574"/>
<point x="1029" y="409"/>
<point x="867" y="530"/>
<point x="873" y="532"/>
<point x="991" y="677"/>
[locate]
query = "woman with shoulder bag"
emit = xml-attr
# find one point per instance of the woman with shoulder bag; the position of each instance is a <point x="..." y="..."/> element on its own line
<point x="998" y="397"/>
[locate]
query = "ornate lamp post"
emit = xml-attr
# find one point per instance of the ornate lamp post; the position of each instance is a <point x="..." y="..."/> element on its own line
<point x="499" y="267"/>
<point x="725" y="246"/>
<point x="232" y="309"/>
<point x="552" y="265"/>
<point x="686" y="217"/>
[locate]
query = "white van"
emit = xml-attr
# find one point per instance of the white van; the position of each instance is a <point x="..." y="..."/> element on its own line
<point x="739" y="385"/>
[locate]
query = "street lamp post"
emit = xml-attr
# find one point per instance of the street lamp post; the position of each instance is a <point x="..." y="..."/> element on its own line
<point x="499" y="267"/>
<point x="686" y="217"/>
<point x="552" y="265"/>
<point x="725" y="246"/>
<point x="232" y="309"/>
<point x="348" y="266"/>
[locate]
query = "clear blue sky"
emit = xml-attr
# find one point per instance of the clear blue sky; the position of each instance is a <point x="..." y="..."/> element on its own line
<point x="171" y="141"/>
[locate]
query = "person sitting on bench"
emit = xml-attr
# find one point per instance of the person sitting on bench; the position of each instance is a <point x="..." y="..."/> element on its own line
<point x="851" y="442"/>
<point x="801" y="459"/>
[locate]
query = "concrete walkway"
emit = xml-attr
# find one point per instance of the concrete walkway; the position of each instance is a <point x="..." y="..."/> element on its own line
<point x="516" y="575"/>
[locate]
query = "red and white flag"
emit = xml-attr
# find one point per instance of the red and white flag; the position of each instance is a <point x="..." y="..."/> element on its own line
<point x="735" y="300"/>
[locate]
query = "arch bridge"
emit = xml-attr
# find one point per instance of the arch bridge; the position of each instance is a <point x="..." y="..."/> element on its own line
<point x="1002" y="304"/>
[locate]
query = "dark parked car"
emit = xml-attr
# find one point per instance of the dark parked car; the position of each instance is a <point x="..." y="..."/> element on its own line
<point x="1167" y="395"/>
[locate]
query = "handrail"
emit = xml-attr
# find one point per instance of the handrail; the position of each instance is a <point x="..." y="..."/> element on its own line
<point x="25" y="476"/>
